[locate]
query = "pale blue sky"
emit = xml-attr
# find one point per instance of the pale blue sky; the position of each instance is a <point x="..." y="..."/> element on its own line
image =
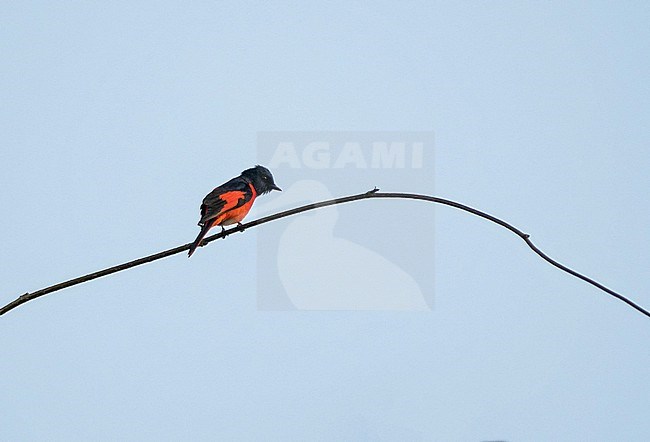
<point x="118" y="117"/>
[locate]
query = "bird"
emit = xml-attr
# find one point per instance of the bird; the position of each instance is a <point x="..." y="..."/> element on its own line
<point x="230" y="203"/>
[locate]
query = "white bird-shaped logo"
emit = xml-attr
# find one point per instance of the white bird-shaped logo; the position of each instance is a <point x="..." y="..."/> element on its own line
<point x="320" y="271"/>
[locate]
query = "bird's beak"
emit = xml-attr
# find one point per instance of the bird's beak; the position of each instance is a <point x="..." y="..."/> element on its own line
<point x="274" y="187"/>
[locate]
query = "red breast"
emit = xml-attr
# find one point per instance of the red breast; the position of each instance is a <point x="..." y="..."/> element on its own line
<point x="235" y="216"/>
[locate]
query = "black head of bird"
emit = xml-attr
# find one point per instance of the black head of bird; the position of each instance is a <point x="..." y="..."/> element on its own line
<point x="261" y="178"/>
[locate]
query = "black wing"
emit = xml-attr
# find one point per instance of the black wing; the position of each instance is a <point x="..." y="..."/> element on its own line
<point x="228" y="196"/>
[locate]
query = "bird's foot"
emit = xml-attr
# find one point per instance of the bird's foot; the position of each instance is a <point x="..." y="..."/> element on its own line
<point x="241" y="228"/>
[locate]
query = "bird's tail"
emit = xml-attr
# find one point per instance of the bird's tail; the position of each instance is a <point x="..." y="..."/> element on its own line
<point x="204" y="230"/>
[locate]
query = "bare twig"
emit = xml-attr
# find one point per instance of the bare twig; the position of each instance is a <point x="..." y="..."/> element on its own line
<point x="374" y="193"/>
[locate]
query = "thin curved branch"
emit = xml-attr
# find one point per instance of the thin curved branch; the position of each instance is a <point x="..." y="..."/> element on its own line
<point x="367" y="195"/>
